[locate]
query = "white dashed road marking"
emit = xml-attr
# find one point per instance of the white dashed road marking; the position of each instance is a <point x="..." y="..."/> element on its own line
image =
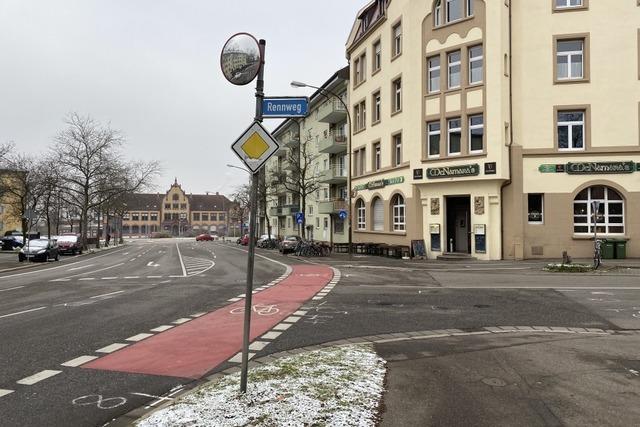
<point x="4" y="392"/>
<point x="22" y="312"/>
<point x="139" y="337"/>
<point x="181" y="321"/>
<point x="111" y="348"/>
<point x="161" y="328"/>
<point x="109" y="294"/>
<point x="11" y="289"/>
<point x="79" y="361"/>
<point x="35" y="378"/>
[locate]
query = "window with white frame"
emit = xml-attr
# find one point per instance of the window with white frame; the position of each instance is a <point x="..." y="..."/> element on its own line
<point x="476" y="133"/>
<point x="437" y="13"/>
<point x="535" y="208"/>
<point x="570" y="130"/>
<point x="454" y="139"/>
<point x="378" y="214"/>
<point x="377" y="56"/>
<point x="475" y="64"/>
<point x="398" y="205"/>
<point x="377" y="156"/>
<point x="433" y="139"/>
<point x="565" y="4"/>
<point x="397" y="149"/>
<point x="397" y="95"/>
<point x="454" y="10"/>
<point x="454" y="69"/>
<point x="360" y="113"/>
<point x="609" y="217"/>
<point x="570" y="59"/>
<point x="433" y="77"/>
<point x="362" y="215"/>
<point x="376" y="107"/>
<point x="397" y="39"/>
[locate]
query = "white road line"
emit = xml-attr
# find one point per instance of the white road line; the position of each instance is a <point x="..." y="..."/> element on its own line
<point x="184" y="270"/>
<point x="87" y="278"/>
<point x="181" y="321"/>
<point x="73" y="363"/>
<point x="131" y="277"/>
<point x="94" y="271"/>
<point x="291" y="319"/>
<point x="81" y="267"/>
<point x="199" y="314"/>
<point x="176" y="276"/>
<point x="139" y="337"/>
<point x="58" y="267"/>
<point x="282" y="326"/>
<point x="4" y="392"/>
<point x="61" y="280"/>
<point x="271" y="335"/>
<point x="108" y="278"/>
<point x="154" y="277"/>
<point x="161" y="328"/>
<point x="258" y="345"/>
<point x="131" y="260"/>
<point x="22" y="312"/>
<point x="105" y="295"/>
<point x="42" y="375"/>
<point x="111" y="348"/>
<point x="11" y="289"/>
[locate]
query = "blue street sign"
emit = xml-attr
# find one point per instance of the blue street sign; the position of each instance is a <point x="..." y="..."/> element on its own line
<point x="283" y="107"/>
<point x="299" y="218"/>
<point x="342" y="214"/>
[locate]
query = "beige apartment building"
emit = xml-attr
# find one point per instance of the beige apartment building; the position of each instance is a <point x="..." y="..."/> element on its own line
<point x="487" y="128"/>
<point x="318" y="144"/>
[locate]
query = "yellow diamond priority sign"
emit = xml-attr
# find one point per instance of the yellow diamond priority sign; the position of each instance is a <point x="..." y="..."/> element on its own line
<point x="255" y="146"/>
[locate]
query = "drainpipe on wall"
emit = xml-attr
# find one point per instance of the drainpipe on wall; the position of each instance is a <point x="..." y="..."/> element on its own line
<point x="510" y="142"/>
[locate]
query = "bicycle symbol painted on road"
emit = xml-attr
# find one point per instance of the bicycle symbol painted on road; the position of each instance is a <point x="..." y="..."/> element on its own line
<point x="99" y="401"/>
<point x="260" y="309"/>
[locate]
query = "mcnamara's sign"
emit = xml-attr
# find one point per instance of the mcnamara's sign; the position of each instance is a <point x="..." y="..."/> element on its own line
<point x="591" y="168"/>
<point x="453" y="171"/>
<point x="380" y="183"/>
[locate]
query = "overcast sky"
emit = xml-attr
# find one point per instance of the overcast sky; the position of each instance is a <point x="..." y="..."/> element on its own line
<point x="151" y="69"/>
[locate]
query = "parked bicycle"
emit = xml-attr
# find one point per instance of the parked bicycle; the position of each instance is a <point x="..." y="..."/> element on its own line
<point x="597" y="256"/>
<point x="268" y="244"/>
<point x="310" y="248"/>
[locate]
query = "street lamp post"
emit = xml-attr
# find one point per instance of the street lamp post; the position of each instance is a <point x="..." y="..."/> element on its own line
<point x="324" y="92"/>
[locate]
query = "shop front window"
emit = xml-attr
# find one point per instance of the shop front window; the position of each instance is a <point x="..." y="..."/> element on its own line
<point x="610" y="215"/>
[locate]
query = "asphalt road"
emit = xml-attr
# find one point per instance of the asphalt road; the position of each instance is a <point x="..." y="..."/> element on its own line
<point x="53" y="314"/>
<point x="60" y="311"/>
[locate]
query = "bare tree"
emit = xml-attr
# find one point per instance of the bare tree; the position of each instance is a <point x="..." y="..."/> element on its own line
<point x="91" y="161"/>
<point x="302" y="180"/>
<point x="242" y="199"/>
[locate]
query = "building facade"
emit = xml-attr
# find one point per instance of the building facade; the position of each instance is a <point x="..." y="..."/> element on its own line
<point x="316" y="148"/>
<point x="487" y="136"/>
<point x="176" y="213"/>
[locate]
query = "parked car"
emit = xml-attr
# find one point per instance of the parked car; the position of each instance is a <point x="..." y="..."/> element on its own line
<point x="9" y="243"/>
<point x="69" y="243"/>
<point x="245" y="240"/>
<point x="266" y="237"/>
<point x="289" y="244"/>
<point x="39" y="250"/>
<point x="204" y="237"/>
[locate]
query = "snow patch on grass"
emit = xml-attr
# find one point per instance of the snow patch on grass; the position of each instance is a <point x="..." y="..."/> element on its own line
<point x="570" y="268"/>
<point x="338" y="386"/>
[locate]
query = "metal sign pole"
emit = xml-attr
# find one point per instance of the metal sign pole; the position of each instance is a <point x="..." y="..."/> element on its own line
<point x="252" y="232"/>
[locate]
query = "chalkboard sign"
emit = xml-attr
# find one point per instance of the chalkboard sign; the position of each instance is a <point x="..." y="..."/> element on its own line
<point x="418" y="248"/>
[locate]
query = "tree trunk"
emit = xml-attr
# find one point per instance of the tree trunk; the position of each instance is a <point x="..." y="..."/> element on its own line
<point x="98" y="232"/>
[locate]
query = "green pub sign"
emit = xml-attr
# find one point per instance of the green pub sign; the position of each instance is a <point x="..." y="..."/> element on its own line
<point x="453" y="171"/>
<point x="591" y="168"/>
<point x="380" y="183"/>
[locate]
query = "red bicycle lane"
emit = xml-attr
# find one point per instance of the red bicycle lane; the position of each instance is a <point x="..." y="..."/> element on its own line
<point x="192" y="349"/>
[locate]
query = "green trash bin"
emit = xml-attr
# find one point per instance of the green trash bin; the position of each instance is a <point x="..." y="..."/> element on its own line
<point x="621" y="249"/>
<point x="607" y="249"/>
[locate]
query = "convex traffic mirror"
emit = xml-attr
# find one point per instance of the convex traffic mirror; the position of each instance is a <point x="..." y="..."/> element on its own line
<point x="240" y="59"/>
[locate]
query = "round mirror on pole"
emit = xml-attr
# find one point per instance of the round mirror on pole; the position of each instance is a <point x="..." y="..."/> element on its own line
<point x="240" y="59"/>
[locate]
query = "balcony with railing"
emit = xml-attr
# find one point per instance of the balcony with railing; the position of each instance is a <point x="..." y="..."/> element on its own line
<point x="331" y="206"/>
<point x="336" y="174"/>
<point x="332" y="112"/>
<point x="333" y="143"/>
<point x="284" y="210"/>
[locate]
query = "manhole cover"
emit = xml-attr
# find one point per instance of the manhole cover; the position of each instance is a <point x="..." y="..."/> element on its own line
<point x="494" y="382"/>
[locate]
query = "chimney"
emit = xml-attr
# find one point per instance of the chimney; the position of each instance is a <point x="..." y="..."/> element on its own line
<point x="217" y="194"/>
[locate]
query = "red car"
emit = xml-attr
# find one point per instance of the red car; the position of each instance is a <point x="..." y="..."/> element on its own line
<point x="245" y="240"/>
<point x="204" y="237"/>
<point x="69" y="243"/>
